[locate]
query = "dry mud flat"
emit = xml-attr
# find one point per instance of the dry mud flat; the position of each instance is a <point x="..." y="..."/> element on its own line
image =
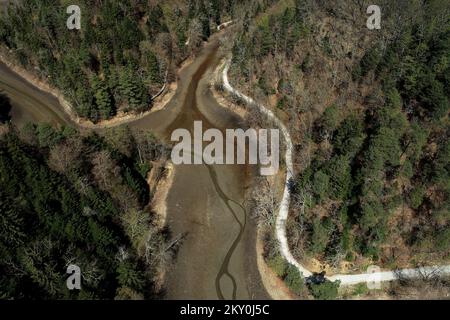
<point x="217" y="256"/>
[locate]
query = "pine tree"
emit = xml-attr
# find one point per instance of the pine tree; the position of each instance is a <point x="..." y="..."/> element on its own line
<point x="128" y="276"/>
<point x="325" y="291"/>
<point x="204" y="20"/>
<point x="215" y="7"/>
<point x="294" y="279"/>
<point x="153" y="67"/>
<point x="191" y="9"/>
<point x="11" y="222"/>
<point x="103" y="98"/>
<point x="132" y="90"/>
<point x="267" y="42"/>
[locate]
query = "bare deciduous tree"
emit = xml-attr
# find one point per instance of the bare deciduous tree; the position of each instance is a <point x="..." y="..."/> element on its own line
<point x="65" y="155"/>
<point x="149" y="148"/>
<point x="106" y="171"/>
<point x="266" y="203"/>
<point x="136" y="224"/>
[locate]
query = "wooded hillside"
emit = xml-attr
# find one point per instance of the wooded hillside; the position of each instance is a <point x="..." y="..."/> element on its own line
<point x="123" y="54"/>
<point x="368" y="111"/>
<point x="71" y="199"/>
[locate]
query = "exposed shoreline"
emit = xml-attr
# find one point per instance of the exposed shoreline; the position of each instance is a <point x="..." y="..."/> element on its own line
<point x="273" y="285"/>
<point x="121" y="118"/>
<point x="162" y="187"/>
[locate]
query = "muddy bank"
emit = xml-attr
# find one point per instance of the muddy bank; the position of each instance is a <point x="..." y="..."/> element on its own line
<point x="159" y="187"/>
<point x="12" y="70"/>
<point x="29" y="103"/>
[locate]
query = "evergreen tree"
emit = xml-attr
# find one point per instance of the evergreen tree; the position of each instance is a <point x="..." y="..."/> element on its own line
<point x="133" y="90"/>
<point x="325" y="291"/>
<point x="204" y="20"/>
<point x="153" y="69"/>
<point x="294" y="279"/>
<point x="103" y="98"/>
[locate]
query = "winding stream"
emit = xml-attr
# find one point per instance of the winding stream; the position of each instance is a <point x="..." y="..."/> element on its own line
<point x="224" y="270"/>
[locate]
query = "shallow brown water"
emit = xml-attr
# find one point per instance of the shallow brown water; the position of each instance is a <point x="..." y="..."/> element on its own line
<point x="30" y="104"/>
<point x="217" y="258"/>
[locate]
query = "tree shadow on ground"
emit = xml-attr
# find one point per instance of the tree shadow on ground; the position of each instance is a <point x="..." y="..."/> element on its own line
<point x="5" y="108"/>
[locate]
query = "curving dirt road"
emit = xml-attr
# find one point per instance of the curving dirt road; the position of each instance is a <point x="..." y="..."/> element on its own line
<point x="217" y="257"/>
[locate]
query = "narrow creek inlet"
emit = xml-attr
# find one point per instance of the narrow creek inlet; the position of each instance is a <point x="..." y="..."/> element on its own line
<point x="217" y="257"/>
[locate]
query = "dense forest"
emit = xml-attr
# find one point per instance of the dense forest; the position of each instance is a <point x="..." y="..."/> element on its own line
<point x="368" y="111"/>
<point x="123" y="54"/>
<point x="67" y="199"/>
